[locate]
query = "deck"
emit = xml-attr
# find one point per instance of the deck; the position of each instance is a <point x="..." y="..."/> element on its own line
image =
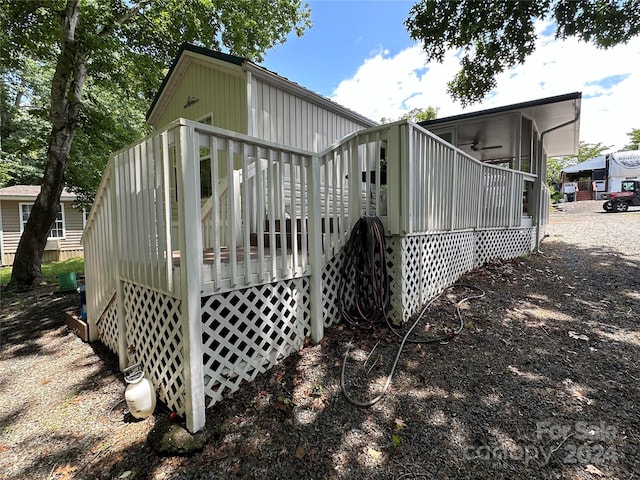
<point x="214" y="316"/>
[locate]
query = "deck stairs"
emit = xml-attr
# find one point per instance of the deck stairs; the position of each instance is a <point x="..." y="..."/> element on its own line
<point x="287" y="230"/>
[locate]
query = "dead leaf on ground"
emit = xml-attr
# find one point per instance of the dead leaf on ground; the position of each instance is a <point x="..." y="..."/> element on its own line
<point x="595" y="470"/>
<point x="65" y="472"/>
<point x="373" y="453"/>
<point x="578" y="336"/>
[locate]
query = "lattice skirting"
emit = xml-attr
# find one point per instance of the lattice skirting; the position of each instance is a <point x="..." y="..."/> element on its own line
<point x="432" y="262"/>
<point x="421" y="266"/>
<point x="248" y="331"/>
<point x="245" y="332"/>
<point x="331" y="279"/>
<point x="108" y="327"/>
<point x="154" y="338"/>
<point x="332" y="284"/>
<point x="504" y="243"/>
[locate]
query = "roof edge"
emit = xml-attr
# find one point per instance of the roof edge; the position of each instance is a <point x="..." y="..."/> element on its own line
<point x="255" y="69"/>
<point x="505" y="108"/>
<point x="225" y="57"/>
<point x="31" y="192"/>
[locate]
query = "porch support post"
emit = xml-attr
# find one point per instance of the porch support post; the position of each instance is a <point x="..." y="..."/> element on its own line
<point x="315" y="250"/>
<point x="121" y="317"/>
<point x="537" y="218"/>
<point x="355" y="200"/>
<point x="396" y="148"/>
<point x="190" y="236"/>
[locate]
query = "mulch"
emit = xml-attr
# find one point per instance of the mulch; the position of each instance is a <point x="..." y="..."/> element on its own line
<point x="542" y="383"/>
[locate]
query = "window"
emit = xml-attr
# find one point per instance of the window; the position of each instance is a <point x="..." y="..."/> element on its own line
<point x="206" y="189"/>
<point x="57" y="229"/>
<point x="628" y="186"/>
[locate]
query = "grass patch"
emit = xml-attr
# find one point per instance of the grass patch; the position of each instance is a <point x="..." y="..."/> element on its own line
<point x="50" y="271"/>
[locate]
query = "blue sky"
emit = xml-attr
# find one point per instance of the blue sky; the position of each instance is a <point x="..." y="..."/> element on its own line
<point x="359" y="53"/>
<point x="344" y="33"/>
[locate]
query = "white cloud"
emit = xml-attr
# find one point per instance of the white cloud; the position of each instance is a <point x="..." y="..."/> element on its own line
<point x="388" y="86"/>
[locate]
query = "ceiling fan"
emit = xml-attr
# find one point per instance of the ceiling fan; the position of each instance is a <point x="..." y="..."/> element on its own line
<point x="475" y="146"/>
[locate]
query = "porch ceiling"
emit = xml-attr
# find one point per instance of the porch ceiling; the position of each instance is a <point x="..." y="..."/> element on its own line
<point x="493" y="132"/>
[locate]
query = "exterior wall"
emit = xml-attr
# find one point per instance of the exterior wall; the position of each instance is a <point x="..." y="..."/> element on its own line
<point x="221" y="91"/>
<point x="10" y="230"/>
<point x="287" y="118"/>
<point x="67" y="247"/>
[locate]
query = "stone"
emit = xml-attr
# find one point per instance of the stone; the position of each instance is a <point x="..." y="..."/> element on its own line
<point x="172" y="438"/>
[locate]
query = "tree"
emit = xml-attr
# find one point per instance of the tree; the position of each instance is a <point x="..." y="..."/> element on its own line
<point x="416" y="115"/>
<point x="495" y="36"/>
<point x="634" y="139"/>
<point x="24" y="124"/>
<point x="555" y="165"/>
<point x="120" y="46"/>
<point x="421" y="114"/>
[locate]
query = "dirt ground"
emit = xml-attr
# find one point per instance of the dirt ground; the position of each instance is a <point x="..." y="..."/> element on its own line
<point x="542" y="383"/>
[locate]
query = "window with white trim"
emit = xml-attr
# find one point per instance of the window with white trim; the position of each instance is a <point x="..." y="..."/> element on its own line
<point x="57" y="229"/>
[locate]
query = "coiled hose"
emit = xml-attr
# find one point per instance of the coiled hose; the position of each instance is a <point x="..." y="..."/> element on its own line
<point x="364" y="275"/>
<point x="365" y="270"/>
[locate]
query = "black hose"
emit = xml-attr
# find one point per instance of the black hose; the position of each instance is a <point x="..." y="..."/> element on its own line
<point x="405" y="339"/>
<point x="454" y="332"/>
<point x="364" y="275"/>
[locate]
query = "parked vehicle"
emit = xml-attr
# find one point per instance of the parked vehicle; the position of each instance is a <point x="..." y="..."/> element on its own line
<point x="622" y="166"/>
<point x="627" y="197"/>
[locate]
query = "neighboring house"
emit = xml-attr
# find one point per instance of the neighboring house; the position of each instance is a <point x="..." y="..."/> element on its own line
<point x="215" y="245"/>
<point x="64" y="237"/>
<point x="590" y="179"/>
<point x="585" y="180"/>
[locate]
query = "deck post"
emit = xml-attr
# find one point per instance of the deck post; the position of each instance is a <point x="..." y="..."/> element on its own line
<point x="315" y="250"/>
<point x="123" y="354"/>
<point x="190" y="277"/>
<point x="401" y="169"/>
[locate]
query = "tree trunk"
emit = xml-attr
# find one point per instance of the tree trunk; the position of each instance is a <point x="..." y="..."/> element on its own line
<point x="66" y="94"/>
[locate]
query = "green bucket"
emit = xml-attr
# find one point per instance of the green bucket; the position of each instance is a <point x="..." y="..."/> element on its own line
<point x="68" y="282"/>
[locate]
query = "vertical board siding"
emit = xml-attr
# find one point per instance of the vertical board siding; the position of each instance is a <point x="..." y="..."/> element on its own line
<point x="285" y="118"/>
<point x="221" y="93"/>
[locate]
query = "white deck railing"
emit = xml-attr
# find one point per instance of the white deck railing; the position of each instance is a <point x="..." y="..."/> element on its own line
<point x="274" y="213"/>
<point x="270" y="204"/>
<point x="100" y="280"/>
<point x="350" y="186"/>
<point x="259" y="189"/>
<point x="441" y="188"/>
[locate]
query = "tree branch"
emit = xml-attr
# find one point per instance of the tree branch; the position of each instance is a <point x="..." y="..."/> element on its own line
<point x="124" y="18"/>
